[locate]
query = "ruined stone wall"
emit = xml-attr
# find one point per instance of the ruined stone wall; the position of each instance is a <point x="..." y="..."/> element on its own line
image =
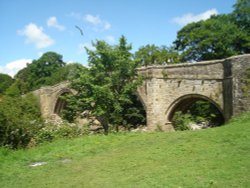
<point x="48" y="97"/>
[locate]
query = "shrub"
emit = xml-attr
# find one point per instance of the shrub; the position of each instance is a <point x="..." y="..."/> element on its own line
<point x="50" y="132"/>
<point x="181" y="121"/>
<point x="20" y="119"/>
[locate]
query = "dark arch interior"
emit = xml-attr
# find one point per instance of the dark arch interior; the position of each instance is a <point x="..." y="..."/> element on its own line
<point x="197" y="106"/>
<point x="60" y="104"/>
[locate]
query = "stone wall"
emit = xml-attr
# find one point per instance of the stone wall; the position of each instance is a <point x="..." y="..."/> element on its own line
<point x="218" y="81"/>
<point x="49" y="96"/>
<point x="240" y="88"/>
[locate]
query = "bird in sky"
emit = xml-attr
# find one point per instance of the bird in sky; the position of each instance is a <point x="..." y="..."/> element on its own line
<point x="81" y="31"/>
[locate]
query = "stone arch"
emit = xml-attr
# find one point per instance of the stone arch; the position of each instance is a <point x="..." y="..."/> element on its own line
<point x="59" y="103"/>
<point x="184" y="102"/>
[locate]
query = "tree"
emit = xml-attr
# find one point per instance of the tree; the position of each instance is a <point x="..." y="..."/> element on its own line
<point x="151" y="55"/>
<point x="215" y="38"/>
<point x="5" y="82"/>
<point x="18" y="88"/>
<point x="105" y="90"/>
<point x="39" y="71"/>
<point x="68" y="72"/>
<point x="241" y="14"/>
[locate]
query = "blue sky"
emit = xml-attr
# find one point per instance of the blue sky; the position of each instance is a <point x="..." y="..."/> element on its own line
<point x="30" y="28"/>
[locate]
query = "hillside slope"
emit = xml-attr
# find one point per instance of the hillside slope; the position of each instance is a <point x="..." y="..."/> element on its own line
<point x="217" y="157"/>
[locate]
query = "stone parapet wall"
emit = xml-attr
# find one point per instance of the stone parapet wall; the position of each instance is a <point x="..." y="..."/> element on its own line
<point x="201" y="70"/>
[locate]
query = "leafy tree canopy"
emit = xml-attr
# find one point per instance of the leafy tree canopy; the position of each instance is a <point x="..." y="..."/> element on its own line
<point x="37" y="73"/>
<point x="151" y="54"/>
<point x="241" y="14"/>
<point x="215" y="38"/>
<point x="107" y="89"/>
<point x="49" y="69"/>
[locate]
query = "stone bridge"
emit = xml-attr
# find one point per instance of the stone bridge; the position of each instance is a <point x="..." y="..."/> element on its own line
<point x="51" y="104"/>
<point x="171" y="88"/>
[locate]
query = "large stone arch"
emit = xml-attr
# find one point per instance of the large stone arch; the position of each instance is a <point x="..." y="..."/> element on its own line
<point x="184" y="102"/>
<point x="220" y="82"/>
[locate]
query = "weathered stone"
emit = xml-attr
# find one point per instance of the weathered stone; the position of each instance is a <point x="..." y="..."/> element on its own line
<point x="217" y="81"/>
<point x="168" y="88"/>
<point x="49" y="98"/>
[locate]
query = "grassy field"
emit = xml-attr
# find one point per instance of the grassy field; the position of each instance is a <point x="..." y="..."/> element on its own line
<point x="218" y="157"/>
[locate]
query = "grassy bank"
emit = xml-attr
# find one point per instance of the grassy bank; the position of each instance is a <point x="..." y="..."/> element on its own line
<point x="217" y="157"/>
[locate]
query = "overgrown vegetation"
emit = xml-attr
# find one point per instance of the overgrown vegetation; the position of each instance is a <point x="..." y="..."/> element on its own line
<point x="107" y="91"/>
<point x="5" y="83"/>
<point x="19" y="120"/>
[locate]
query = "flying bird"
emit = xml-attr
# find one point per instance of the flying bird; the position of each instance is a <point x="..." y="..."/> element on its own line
<point x="81" y="31"/>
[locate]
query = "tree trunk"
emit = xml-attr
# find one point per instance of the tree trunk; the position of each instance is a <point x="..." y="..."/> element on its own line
<point x="104" y="123"/>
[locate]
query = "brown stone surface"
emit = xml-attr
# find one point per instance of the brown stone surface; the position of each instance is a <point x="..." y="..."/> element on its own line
<point x="167" y="87"/>
<point x="218" y="81"/>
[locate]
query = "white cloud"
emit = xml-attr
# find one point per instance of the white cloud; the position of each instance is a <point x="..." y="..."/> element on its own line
<point x="97" y="22"/>
<point x="110" y="39"/>
<point x="82" y="46"/>
<point x="36" y="36"/>
<point x="188" y="18"/>
<point x="13" y="67"/>
<point x="107" y="25"/>
<point x="52" y="22"/>
<point x="92" y="19"/>
<point x="75" y="15"/>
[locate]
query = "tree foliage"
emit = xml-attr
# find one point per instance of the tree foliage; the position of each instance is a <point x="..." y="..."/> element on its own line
<point x="19" y="120"/>
<point x="215" y="38"/>
<point x="39" y="71"/>
<point x="49" y="69"/>
<point x="219" y="37"/>
<point x="107" y="90"/>
<point x="5" y="82"/>
<point x="241" y="14"/>
<point x="152" y="54"/>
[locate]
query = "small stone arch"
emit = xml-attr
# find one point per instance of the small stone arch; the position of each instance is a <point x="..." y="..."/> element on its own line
<point x="59" y="103"/>
<point x="184" y="102"/>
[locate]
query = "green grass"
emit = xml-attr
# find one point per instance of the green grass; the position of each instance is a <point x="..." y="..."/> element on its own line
<point x="218" y="157"/>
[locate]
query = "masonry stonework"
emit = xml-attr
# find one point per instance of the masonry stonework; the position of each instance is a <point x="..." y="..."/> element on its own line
<point x="169" y="88"/>
<point x="49" y="97"/>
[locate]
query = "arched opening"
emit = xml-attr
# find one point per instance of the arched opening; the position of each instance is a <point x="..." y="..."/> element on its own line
<point x="61" y="104"/>
<point x="195" y="112"/>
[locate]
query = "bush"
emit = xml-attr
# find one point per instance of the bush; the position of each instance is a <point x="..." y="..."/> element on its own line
<point x="181" y="121"/>
<point x="50" y="132"/>
<point x="20" y="119"/>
